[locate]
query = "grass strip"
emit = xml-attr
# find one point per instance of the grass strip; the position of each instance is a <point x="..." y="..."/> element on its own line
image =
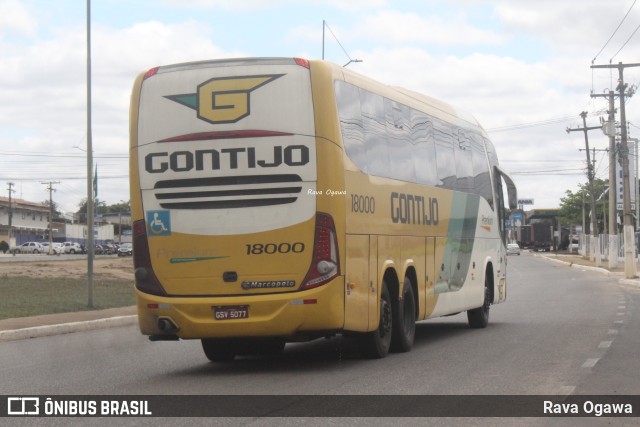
<point x="28" y="296"/>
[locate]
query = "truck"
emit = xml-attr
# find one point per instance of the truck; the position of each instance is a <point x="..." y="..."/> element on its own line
<point x="542" y="235"/>
<point x="536" y="235"/>
<point x="524" y="236"/>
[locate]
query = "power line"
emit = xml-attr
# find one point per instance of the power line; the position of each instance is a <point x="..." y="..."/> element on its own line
<point x="325" y="25"/>
<point x="62" y="177"/>
<point x="579" y="171"/>
<point x="518" y="126"/>
<point x="614" y="33"/>
<point x="544" y="122"/>
<point x="70" y="156"/>
<point x="625" y="43"/>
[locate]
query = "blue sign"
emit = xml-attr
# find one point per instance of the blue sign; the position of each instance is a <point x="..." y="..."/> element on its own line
<point x="517" y="218"/>
<point x="158" y="223"/>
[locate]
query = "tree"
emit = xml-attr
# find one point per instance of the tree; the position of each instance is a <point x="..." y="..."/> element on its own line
<point x="102" y="208"/>
<point x="571" y="206"/>
<point x="119" y="207"/>
<point x="56" y="211"/>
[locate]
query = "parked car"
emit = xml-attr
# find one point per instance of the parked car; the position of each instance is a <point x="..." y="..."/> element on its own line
<point x="110" y="249"/>
<point x="126" y="249"/>
<point x="72" y="248"/>
<point x="29" y="248"/>
<point x="57" y="248"/>
<point x="513" y="249"/>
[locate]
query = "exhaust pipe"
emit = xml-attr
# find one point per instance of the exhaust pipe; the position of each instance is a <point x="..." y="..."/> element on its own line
<point x="167" y="325"/>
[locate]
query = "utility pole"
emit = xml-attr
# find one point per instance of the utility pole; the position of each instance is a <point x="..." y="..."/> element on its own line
<point x="90" y="212"/>
<point x="629" y="236"/>
<point x="51" y="190"/>
<point x="590" y="175"/>
<point x="609" y="129"/>
<point x="11" y="190"/>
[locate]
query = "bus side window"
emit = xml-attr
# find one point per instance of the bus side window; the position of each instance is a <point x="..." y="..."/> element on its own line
<point x="464" y="162"/>
<point x="375" y="133"/>
<point x="423" y="148"/>
<point x="398" y="137"/>
<point x="348" y="98"/>
<point x="445" y="159"/>
<point x="481" y="176"/>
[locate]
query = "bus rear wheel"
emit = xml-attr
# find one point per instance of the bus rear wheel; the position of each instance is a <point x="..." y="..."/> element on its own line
<point x="260" y="347"/>
<point x="376" y="344"/>
<point x="479" y="317"/>
<point x="404" y="320"/>
<point x="219" y="350"/>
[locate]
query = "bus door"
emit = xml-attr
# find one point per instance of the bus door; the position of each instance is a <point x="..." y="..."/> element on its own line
<point x="503" y="180"/>
<point x="361" y="296"/>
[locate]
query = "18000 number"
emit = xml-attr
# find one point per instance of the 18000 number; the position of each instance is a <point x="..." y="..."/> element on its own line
<point x="363" y="204"/>
<point x="274" y="248"/>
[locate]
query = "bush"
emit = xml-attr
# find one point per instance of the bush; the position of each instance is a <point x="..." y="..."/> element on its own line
<point x="4" y="247"/>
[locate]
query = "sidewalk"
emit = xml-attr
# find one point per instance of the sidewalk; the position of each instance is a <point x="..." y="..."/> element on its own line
<point x="65" y="323"/>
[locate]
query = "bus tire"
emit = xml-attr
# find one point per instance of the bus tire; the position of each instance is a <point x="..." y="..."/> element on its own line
<point x="376" y="344"/>
<point x="404" y="320"/>
<point x="260" y="347"/>
<point x="219" y="350"/>
<point x="479" y="317"/>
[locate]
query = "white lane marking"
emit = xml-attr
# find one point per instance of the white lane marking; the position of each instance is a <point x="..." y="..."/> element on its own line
<point x="566" y="390"/>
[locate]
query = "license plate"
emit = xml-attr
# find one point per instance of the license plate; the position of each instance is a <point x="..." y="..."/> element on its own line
<point x="230" y="312"/>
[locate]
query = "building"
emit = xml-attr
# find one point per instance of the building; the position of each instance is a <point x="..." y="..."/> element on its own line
<point x="30" y="223"/>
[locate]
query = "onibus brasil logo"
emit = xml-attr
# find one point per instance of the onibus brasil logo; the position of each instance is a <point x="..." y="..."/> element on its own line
<point x="224" y="99"/>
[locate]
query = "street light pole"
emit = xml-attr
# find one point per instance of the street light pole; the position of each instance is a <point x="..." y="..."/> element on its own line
<point x="89" y="168"/>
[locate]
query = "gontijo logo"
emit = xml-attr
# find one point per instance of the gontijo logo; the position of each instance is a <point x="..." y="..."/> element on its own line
<point x="224" y="99"/>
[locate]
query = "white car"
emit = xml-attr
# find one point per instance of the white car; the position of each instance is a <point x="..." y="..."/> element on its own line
<point x="513" y="249"/>
<point x="72" y="248"/>
<point x="57" y="248"/>
<point x="29" y="248"/>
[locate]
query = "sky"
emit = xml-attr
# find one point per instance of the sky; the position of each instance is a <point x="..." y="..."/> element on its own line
<point x="521" y="67"/>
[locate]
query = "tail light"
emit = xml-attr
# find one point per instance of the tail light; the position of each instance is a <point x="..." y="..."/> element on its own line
<point x="146" y="280"/>
<point x="325" y="264"/>
<point x="302" y="62"/>
<point x="152" y="72"/>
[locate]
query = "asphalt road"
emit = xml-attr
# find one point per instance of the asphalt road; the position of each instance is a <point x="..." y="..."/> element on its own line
<point x="562" y="331"/>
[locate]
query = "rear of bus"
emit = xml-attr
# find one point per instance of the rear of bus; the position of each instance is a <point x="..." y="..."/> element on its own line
<point x="232" y="237"/>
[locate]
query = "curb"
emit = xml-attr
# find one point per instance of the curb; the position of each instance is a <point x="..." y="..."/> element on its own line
<point x="584" y="267"/>
<point x="67" y="328"/>
<point x="630" y="282"/>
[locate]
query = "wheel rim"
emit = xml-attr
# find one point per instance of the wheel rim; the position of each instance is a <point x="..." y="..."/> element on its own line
<point x="386" y="321"/>
<point x="487" y="302"/>
<point x="409" y="315"/>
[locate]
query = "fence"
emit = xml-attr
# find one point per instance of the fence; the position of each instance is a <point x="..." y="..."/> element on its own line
<point x="586" y="243"/>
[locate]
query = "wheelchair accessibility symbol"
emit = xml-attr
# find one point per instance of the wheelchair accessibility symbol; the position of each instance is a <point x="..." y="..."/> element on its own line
<point x="158" y="223"/>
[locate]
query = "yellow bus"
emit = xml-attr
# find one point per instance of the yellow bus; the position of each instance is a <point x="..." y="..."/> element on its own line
<point x="283" y="199"/>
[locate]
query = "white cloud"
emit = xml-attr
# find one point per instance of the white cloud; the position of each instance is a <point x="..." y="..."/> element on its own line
<point x="394" y="27"/>
<point x="16" y="19"/>
<point x="245" y="5"/>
